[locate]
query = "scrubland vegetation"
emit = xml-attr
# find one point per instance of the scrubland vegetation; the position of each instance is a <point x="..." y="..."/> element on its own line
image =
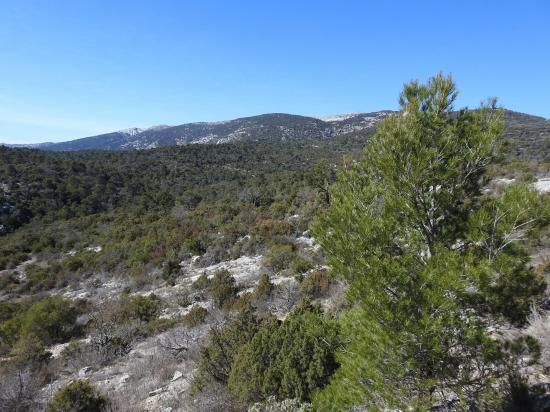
<point x="404" y="270"/>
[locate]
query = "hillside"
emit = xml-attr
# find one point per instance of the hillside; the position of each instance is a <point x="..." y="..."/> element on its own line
<point x="267" y="127"/>
<point x="528" y="134"/>
<point x="128" y="267"/>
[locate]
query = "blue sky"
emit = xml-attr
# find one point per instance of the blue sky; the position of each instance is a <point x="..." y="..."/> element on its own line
<point x="70" y="69"/>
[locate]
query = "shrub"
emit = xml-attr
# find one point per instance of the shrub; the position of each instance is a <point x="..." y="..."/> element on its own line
<point x="194" y="246"/>
<point x="44" y="278"/>
<point x="170" y="269"/>
<point x="144" y="308"/>
<point x="264" y="288"/>
<point x="159" y="325"/>
<point x="279" y="257"/>
<point x="299" y="264"/>
<point x="195" y="316"/>
<point x="184" y="298"/>
<point x="287" y="405"/>
<point x="52" y="320"/>
<point x="216" y="358"/>
<point x="30" y="350"/>
<point x="316" y="284"/>
<point x="112" y="330"/>
<point x="268" y="228"/>
<point x="240" y="303"/>
<point x="77" y="396"/>
<point x="201" y="283"/>
<point x="223" y="287"/>
<point x="287" y="359"/>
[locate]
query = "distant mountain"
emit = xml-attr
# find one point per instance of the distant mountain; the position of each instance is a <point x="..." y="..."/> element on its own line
<point x="531" y="134"/>
<point x="272" y="127"/>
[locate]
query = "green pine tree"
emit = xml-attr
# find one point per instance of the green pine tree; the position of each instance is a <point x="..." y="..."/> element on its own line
<point x="430" y="258"/>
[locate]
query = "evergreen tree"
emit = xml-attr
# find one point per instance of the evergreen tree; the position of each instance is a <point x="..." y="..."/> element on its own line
<point x="430" y="258"/>
<point x="288" y="359"/>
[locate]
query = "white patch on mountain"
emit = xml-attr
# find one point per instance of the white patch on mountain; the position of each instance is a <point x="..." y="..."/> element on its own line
<point x="338" y="117"/>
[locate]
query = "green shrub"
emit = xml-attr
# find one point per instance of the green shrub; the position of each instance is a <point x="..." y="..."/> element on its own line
<point x="216" y="358"/>
<point x="271" y="404"/>
<point x="240" y="303"/>
<point x="264" y="287"/>
<point x="52" y="320"/>
<point x="279" y="257"/>
<point x="287" y="359"/>
<point x="299" y="264"/>
<point x="194" y="246"/>
<point x="170" y="269"/>
<point x="144" y="308"/>
<point x="30" y="350"/>
<point x="159" y="325"/>
<point x="184" y="298"/>
<point x="195" y="316"/>
<point x="201" y="283"/>
<point x="44" y="278"/>
<point x="77" y="396"/>
<point x="268" y="228"/>
<point x="223" y="287"/>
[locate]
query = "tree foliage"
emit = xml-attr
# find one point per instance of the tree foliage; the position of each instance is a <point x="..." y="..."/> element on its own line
<point x="77" y="396"/>
<point x="288" y="359"/>
<point x="430" y="258"/>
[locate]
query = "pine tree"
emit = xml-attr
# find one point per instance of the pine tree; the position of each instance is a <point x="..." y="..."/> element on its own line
<point x="430" y="258"/>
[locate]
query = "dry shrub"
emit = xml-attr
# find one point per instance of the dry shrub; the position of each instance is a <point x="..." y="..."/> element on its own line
<point x="317" y="284"/>
<point x="268" y="228"/>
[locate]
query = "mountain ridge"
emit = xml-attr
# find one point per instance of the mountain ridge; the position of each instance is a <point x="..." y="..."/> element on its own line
<point x="269" y="126"/>
<point x="264" y="127"/>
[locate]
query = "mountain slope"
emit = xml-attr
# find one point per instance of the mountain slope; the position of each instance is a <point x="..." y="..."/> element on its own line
<point x="267" y="127"/>
<point x="529" y="134"/>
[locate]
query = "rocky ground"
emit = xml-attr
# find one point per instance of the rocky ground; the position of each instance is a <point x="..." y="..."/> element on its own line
<point x="152" y="376"/>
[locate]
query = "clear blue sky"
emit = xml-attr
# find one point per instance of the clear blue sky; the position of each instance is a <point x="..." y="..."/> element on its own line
<point x="70" y="69"/>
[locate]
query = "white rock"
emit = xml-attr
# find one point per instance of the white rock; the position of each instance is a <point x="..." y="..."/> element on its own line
<point x="124" y="378"/>
<point x="156" y="392"/>
<point x="177" y="375"/>
<point x="95" y="249"/>
<point x="504" y="181"/>
<point x="542" y="185"/>
<point x="86" y="370"/>
<point x="56" y="350"/>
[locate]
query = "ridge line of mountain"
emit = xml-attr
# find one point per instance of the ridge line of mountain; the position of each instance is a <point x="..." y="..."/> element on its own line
<point x="263" y="127"/>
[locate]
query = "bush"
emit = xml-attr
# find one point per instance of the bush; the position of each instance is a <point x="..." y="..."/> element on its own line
<point x="264" y="288"/>
<point x="223" y="287"/>
<point x="223" y="343"/>
<point x="201" y="283"/>
<point x="279" y="257"/>
<point x="286" y="405"/>
<point x="44" y="278"/>
<point x="300" y="264"/>
<point x="195" y="317"/>
<point x="316" y="284"/>
<point x="30" y="350"/>
<point x="159" y="325"/>
<point x="77" y="396"/>
<point x="287" y="359"/>
<point x="144" y="308"/>
<point x="52" y="320"/>
<point x="170" y="270"/>
<point x="268" y="228"/>
<point x="194" y="246"/>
